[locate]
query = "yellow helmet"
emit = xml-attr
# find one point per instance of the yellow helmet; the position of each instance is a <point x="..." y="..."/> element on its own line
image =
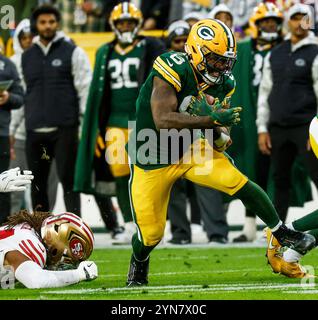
<point x="264" y="11"/>
<point x="211" y="48"/>
<point x="125" y="11"/>
<point x="68" y="239"/>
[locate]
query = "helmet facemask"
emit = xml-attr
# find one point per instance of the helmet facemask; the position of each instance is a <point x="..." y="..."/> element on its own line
<point x="214" y="67"/>
<point x="127" y="37"/>
<point x="269" y="36"/>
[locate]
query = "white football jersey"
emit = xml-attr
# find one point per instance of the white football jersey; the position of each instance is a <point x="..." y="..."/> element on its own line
<point x="24" y="239"/>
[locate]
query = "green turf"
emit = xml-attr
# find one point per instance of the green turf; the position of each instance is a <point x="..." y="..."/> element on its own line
<point x="207" y="273"/>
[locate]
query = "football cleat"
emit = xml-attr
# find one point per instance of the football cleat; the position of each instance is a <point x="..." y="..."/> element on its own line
<point x="273" y="252"/>
<point x="275" y="258"/>
<point x="138" y="272"/>
<point x="298" y="241"/>
<point x="294" y="270"/>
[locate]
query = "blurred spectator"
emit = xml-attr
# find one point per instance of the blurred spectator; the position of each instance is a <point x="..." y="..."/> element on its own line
<point x="193" y="17"/>
<point x="155" y="13"/>
<point x="11" y="97"/>
<point x="57" y="76"/>
<point x="287" y="102"/>
<point x="176" y="10"/>
<point x="202" y="7"/>
<point x="222" y="13"/>
<point x="82" y="15"/>
<point x="22" y="40"/>
<point x="242" y="10"/>
<point x="121" y="68"/>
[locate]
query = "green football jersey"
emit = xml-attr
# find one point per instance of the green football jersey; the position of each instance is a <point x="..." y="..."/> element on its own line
<point x="176" y="70"/>
<point x="123" y="69"/>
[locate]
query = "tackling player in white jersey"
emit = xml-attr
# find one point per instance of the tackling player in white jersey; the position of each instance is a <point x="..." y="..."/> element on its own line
<point x="46" y="250"/>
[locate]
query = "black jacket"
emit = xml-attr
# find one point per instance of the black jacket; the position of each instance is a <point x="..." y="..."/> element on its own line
<point x="8" y="71"/>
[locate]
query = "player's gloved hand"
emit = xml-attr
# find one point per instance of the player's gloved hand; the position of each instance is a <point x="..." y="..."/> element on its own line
<point x="15" y="180"/>
<point x="100" y="146"/>
<point x="87" y="270"/>
<point x="226" y="117"/>
<point x="198" y="106"/>
<point x="220" y="112"/>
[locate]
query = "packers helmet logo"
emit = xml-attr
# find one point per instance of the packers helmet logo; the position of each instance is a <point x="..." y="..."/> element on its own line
<point x="206" y="33"/>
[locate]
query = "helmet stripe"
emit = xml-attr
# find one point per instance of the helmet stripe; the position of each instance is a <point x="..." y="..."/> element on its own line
<point x="86" y="230"/>
<point x="81" y="221"/>
<point x="229" y="35"/>
<point x="125" y="8"/>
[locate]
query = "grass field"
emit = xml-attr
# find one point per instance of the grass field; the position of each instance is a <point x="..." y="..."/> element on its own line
<point x="197" y="273"/>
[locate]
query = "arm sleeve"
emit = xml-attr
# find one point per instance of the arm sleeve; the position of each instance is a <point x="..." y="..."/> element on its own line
<point x="33" y="276"/>
<point x="265" y="88"/>
<point x="82" y="76"/>
<point x="315" y="78"/>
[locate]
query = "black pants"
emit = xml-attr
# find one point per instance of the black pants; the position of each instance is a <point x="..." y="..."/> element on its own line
<point x="287" y="144"/>
<point x="107" y="211"/>
<point x="210" y="209"/>
<point x="41" y="148"/>
<point x="4" y="165"/>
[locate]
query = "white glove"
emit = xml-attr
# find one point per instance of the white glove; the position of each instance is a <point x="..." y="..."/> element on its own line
<point x="87" y="270"/>
<point x="15" y="180"/>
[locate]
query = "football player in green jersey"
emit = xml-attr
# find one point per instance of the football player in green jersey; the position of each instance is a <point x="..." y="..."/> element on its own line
<point x="204" y="69"/>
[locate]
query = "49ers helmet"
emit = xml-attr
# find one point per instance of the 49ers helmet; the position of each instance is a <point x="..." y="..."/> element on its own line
<point x="68" y="239"/>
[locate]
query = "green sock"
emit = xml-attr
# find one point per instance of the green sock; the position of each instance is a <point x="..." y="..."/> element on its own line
<point x="314" y="232"/>
<point x="256" y="200"/>
<point x="308" y="222"/>
<point x="141" y="252"/>
<point x="122" y="194"/>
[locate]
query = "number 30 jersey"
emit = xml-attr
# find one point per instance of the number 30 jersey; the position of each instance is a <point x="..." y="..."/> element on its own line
<point x="123" y="69"/>
<point x="23" y="239"/>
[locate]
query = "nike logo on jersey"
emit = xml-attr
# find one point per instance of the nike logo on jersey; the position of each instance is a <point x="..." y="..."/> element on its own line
<point x="169" y="63"/>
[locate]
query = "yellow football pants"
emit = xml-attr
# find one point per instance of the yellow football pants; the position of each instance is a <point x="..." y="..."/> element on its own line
<point x="150" y="190"/>
<point x="116" y="155"/>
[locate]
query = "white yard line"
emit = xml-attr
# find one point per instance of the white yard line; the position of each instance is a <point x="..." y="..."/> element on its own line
<point x="213" y="288"/>
<point x="186" y="272"/>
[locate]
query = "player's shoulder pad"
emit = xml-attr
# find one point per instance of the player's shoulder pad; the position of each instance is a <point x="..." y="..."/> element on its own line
<point x="171" y="66"/>
<point x="229" y="84"/>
